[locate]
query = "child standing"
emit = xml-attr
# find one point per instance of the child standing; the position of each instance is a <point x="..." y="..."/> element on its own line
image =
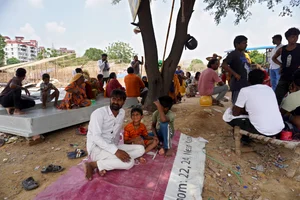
<point x="46" y="88"/>
<point x="136" y="132"/>
<point x="163" y="124"/>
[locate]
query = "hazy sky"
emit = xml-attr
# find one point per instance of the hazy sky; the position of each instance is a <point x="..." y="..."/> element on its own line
<point x="81" y="24"/>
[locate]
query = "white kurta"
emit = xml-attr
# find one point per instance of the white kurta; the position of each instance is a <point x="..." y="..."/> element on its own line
<point x="103" y="137"/>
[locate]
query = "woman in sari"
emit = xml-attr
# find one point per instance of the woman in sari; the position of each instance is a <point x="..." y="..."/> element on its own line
<point x="76" y="95"/>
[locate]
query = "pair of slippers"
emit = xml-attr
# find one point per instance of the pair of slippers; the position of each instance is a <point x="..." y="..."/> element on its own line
<point x="30" y="183"/>
<point x="78" y="153"/>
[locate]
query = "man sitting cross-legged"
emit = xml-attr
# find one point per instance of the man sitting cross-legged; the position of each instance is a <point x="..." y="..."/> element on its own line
<point x="103" y="137"/>
<point x="258" y="101"/>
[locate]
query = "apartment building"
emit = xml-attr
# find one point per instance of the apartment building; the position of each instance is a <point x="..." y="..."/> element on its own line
<point x="23" y="50"/>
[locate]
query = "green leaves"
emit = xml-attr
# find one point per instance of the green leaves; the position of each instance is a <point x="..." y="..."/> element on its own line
<point x="256" y="57"/>
<point x="240" y="8"/>
<point x="120" y="51"/>
<point x="93" y="54"/>
<point x="2" y="53"/>
<point x="11" y="61"/>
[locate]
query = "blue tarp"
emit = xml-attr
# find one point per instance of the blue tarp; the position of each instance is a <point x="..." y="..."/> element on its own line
<point x="255" y="48"/>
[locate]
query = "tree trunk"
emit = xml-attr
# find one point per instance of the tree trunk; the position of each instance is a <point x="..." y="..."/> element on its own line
<point x="151" y="57"/>
<point x="180" y="38"/>
<point x="159" y="82"/>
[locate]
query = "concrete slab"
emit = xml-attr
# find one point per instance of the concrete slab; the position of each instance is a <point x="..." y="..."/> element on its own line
<point x="38" y="121"/>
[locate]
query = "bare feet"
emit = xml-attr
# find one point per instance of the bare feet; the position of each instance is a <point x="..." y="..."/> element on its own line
<point x="44" y="107"/>
<point x="101" y="173"/>
<point x="10" y="111"/>
<point x="55" y="104"/>
<point x="18" y="112"/>
<point x="161" y="152"/>
<point x="142" y="160"/>
<point x="88" y="169"/>
<point x="169" y="153"/>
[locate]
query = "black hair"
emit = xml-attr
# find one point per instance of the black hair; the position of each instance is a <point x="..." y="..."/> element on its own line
<point x="21" y="72"/>
<point x="197" y="74"/>
<point x="292" y="31"/>
<point x="112" y="75"/>
<point x="188" y="73"/>
<point x="137" y="109"/>
<point x="166" y="101"/>
<point x="99" y="76"/>
<point x="144" y="77"/>
<point x="296" y="77"/>
<point x="104" y="54"/>
<point x="277" y="37"/>
<point x="256" y="76"/>
<point x="130" y="70"/>
<point x="44" y="76"/>
<point x="239" y="39"/>
<point x="118" y="93"/>
<point x="78" y="70"/>
<point x="212" y="61"/>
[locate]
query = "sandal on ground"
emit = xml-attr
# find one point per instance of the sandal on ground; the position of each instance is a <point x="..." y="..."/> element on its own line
<point x="218" y="103"/>
<point x="29" y="184"/>
<point x="52" y="168"/>
<point x="78" y="153"/>
<point x="81" y="131"/>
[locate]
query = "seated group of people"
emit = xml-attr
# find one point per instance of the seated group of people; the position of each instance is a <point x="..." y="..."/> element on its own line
<point x="79" y="91"/>
<point x="135" y="86"/>
<point x="103" y="137"/>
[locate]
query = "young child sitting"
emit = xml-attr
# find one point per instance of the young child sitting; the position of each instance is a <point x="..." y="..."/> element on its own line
<point x="46" y="88"/>
<point x="163" y="124"/>
<point x="136" y="132"/>
<point x="100" y="83"/>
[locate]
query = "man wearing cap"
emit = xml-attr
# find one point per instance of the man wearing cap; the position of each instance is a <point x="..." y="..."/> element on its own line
<point x="104" y="67"/>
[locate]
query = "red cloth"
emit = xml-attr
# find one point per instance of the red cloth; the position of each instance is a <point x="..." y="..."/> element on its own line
<point x="112" y="85"/>
<point x="267" y="78"/>
<point x="207" y="81"/>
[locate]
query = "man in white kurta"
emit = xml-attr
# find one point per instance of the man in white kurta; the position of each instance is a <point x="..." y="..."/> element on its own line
<point x="103" y="139"/>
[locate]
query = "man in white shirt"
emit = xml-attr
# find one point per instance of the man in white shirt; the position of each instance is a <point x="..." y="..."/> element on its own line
<point x="103" y="139"/>
<point x="104" y="68"/>
<point x="275" y="68"/>
<point x="259" y="102"/>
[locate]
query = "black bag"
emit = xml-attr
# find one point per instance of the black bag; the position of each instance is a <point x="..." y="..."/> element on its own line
<point x="172" y="87"/>
<point x="191" y="43"/>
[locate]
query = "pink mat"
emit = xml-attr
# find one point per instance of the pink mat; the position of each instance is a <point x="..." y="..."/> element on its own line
<point x="145" y="181"/>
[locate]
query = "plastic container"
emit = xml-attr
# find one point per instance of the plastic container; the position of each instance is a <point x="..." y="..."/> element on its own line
<point x="205" y="101"/>
<point x="286" y="135"/>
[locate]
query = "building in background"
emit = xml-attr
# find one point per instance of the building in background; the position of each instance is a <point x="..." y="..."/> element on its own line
<point x="23" y="50"/>
<point x="51" y="52"/>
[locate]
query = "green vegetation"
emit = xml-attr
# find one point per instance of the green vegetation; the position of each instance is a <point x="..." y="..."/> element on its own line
<point x="93" y="54"/>
<point x="120" y="51"/>
<point x="196" y="65"/>
<point x="2" y="53"/>
<point x="11" y="61"/>
<point x="257" y="57"/>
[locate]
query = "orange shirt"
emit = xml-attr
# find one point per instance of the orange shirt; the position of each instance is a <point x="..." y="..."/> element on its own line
<point x="133" y="84"/>
<point x="130" y="132"/>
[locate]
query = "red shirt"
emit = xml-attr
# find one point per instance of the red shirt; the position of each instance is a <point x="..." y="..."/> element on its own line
<point x="112" y="85"/>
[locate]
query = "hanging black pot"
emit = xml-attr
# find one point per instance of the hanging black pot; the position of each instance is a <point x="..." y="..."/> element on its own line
<point x="191" y="43"/>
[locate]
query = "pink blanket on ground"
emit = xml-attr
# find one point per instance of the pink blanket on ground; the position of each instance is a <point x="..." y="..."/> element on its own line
<point x="144" y="181"/>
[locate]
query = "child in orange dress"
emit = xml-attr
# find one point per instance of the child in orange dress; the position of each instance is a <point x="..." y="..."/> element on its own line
<point x="136" y="133"/>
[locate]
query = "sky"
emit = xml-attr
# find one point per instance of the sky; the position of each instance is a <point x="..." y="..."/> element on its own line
<point x="81" y="24"/>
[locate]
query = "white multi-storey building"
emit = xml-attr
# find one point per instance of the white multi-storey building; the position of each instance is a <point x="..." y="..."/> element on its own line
<point x="23" y="50"/>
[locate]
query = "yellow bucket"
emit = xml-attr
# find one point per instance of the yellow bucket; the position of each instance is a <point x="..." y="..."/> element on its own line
<point x="205" y="101"/>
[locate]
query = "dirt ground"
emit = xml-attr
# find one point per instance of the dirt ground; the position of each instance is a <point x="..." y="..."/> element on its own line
<point x="220" y="181"/>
